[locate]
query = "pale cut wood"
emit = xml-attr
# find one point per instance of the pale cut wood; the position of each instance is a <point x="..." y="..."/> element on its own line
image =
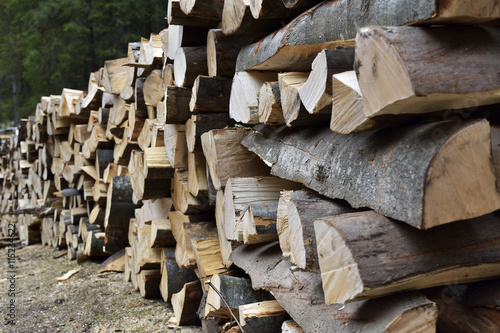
<point x="197" y="175"/>
<point x="154" y="90"/>
<point x="67" y="106"/>
<point x="207" y="254"/>
<point x="175" y="145"/>
<point x="270" y="111"/>
<point x="237" y="19"/>
<point x="189" y="62"/>
<point x="186" y="302"/>
<point x="244" y="99"/>
<point x="225" y="245"/>
<point x="115" y="263"/>
<point x="115" y="75"/>
<point x="184" y="254"/>
<point x="260" y="196"/>
<point x="273" y="9"/>
<point x="438" y="170"/>
<point x="202" y="123"/>
<point x="316" y="93"/>
<point x="173" y="277"/>
<point x="144" y="139"/>
<point x="184" y="201"/>
<point x="289" y="326"/>
<point x="210" y="94"/>
<point x="296" y="213"/>
<point x="227" y="158"/>
<point x="405" y="258"/>
<point x="265" y="316"/>
<point x="161" y="233"/>
<point x="179" y="35"/>
<point x="414" y="82"/>
<point x="300" y="294"/>
<point x="157" y="164"/>
<point x="178" y="219"/>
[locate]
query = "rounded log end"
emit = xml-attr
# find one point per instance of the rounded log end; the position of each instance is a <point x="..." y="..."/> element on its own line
<point x="180" y="67"/>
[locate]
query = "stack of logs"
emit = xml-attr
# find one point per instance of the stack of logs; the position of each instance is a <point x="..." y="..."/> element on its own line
<point x="203" y="162"/>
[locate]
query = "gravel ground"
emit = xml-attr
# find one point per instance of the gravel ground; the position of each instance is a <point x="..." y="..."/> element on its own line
<point x="87" y="302"/>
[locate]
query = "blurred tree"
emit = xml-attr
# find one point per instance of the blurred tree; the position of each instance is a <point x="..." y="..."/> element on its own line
<point x="48" y="45"/>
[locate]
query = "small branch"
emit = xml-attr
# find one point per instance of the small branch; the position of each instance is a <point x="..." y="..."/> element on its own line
<point x="227" y="305"/>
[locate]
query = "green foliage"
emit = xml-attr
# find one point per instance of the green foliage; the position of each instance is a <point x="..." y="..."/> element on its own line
<point x="49" y="45"/>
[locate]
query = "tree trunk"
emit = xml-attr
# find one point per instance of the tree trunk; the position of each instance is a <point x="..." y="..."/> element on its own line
<point x="417" y="174"/>
<point x="379" y="256"/>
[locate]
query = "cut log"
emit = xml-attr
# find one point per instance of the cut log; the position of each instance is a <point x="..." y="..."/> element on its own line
<point x="115" y="263"/>
<point x="406" y="88"/>
<point x="202" y="123"/>
<point x="316" y="93"/>
<point x="258" y="197"/>
<point x="227" y="158"/>
<point x="225" y="245"/>
<point x="186" y="302"/>
<point x="177" y="104"/>
<point x="405" y="259"/>
<point x="176" y="16"/>
<point x="179" y="35"/>
<point x="273" y="9"/>
<point x="189" y="62"/>
<point x="156" y="164"/>
<point x="265" y="316"/>
<point x="289" y="326"/>
<point x="161" y="233"/>
<point x="154" y="90"/>
<point x="244" y="99"/>
<point x="294" y="47"/>
<point x="207" y="255"/>
<point x="207" y="9"/>
<point x="175" y="145"/>
<point x="197" y="173"/>
<point x="149" y="283"/>
<point x="184" y="201"/>
<point x="270" y="111"/>
<point x="119" y="209"/>
<point x="237" y="19"/>
<point x="296" y="213"/>
<point x="184" y="254"/>
<point x="210" y="94"/>
<point x="174" y="278"/>
<point x="237" y="291"/>
<point x="222" y="52"/>
<point x="300" y="294"/>
<point x="386" y="176"/>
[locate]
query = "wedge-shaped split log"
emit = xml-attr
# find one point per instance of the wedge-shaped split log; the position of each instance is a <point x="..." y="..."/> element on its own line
<point x="365" y="255"/>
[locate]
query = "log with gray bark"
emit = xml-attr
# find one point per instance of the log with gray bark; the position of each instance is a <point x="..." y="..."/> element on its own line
<point x="299" y="293"/>
<point x="294" y="47"/>
<point x="366" y="255"/>
<point x="424" y="174"/>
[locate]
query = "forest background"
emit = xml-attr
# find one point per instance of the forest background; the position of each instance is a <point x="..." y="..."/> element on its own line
<point x="48" y="45"/>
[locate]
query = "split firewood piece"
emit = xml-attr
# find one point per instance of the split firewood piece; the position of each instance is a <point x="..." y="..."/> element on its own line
<point x="210" y="94"/>
<point x="119" y="209"/>
<point x="179" y="35"/>
<point x="67" y="107"/>
<point x="270" y="9"/>
<point x="144" y="139"/>
<point x="467" y="307"/>
<point x="202" y="123"/>
<point x="207" y="9"/>
<point x="176" y="16"/>
<point x="222" y="52"/>
<point x="227" y="158"/>
<point x="149" y="283"/>
<point x="115" y="263"/>
<point x="92" y="101"/>
<point x="97" y="215"/>
<point x="237" y="19"/>
<point x="184" y="201"/>
<point x="265" y="316"/>
<point x="177" y="219"/>
<point x="175" y="145"/>
<point x="186" y="302"/>
<point x="405" y="89"/>
<point x="294" y="47"/>
<point x="316" y="93"/>
<point x="153" y="88"/>
<point x="173" y="278"/>
<point x="197" y="173"/>
<point x="157" y="135"/>
<point x="207" y="255"/>
<point x="156" y="164"/>
<point x="100" y="192"/>
<point x="236" y="291"/>
<point x="258" y="197"/>
<point x="177" y="104"/>
<point x="94" y="244"/>
<point x="270" y="111"/>
<point x="184" y="254"/>
<point x="226" y="247"/>
<point x="294" y="112"/>
<point x="161" y="233"/>
<point x="144" y="256"/>
<point x="115" y="75"/>
<point x="189" y="62"/>
<point x="128" y="264"/>
<point x="299" y="293"/>
<point x="103" y="157"/>
<point x="406" y="258"/>
<point x="296" y="214"/>
<point x="429" y="197"/>
<point x="244" y="99"/>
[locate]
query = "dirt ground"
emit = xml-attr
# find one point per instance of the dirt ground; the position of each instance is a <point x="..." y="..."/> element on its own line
<point x="87" y="302"/>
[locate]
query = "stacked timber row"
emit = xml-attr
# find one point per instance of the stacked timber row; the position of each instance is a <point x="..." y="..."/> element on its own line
<point x="325" y="166"/>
